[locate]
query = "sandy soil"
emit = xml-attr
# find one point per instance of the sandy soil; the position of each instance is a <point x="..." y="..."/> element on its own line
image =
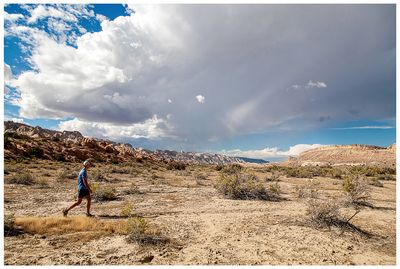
<point x="204" y="227"/>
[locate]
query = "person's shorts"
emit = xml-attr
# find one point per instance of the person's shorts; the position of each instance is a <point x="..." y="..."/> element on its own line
<point x="83" y="193"/>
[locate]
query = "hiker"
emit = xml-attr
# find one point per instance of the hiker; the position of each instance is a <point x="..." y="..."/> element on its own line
<point x="84" y="190"/>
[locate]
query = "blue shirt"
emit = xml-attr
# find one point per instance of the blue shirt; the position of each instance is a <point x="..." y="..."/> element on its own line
<point x="81" y="177"/>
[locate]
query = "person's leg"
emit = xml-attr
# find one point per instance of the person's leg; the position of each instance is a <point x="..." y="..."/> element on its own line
<point x="75" y="204"/>
<point x="89" y="201"/>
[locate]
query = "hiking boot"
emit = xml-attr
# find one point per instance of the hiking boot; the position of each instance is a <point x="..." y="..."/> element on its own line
<point x="65" y="212"/>
<point x="89" y="215"/>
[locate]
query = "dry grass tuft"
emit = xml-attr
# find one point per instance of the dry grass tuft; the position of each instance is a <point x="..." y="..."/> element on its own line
<point x="61" y="225"/>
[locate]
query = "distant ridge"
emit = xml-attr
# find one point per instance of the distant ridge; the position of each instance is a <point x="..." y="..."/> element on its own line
<point x="24" y="141"/>
<point x="355" y="154"/>
<point x="252" y="160"/>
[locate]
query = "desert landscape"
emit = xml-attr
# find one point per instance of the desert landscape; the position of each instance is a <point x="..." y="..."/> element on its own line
<point x="158" y="211"/>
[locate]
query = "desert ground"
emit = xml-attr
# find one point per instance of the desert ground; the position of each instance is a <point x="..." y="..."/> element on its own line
<point x="158" y="215"/>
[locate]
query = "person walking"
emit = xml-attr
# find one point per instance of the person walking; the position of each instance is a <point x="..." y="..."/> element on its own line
<point x="84" y="190"/>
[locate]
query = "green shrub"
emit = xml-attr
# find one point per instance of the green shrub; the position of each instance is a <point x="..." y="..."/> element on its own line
<point x="24" y="178"/>
<point x="132" y="189"/>
<point x="299" y="172"/>
<point x="243" y="186"/>
<point x="273" y="177"/>
<point x="309" y="190"/>
<point x="173" y="165"/>
<point x="356" y="189"/>
<point x="105" y="194"/>
<point x="127" y="210"/>
<point x="275" y="188"/>
<point x="36" y="152"/>
<point x="375" y="182"/>
<point x="140" y="232"/>
<point x="66" y="174"/>
<point x="10" y="228"/>
<point x="233" y="168"/>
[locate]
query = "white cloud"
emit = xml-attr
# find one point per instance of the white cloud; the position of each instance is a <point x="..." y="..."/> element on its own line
<point x="170" y="101"/>
<point x="101" y="17"/>
<point x="17" y="120"/>
<point x="316" y="84"/>
<point x="200" y="99"/>
<point x="7" y="73"/>
<point x="12" y="17"/>
<point x="42" y="11"/>
<point x="125" y="73"/>
<point x="364" y="127"/>
<point x="153" y="128"/>
<point x="310" y="84"/>
<point x="271" y="152"/>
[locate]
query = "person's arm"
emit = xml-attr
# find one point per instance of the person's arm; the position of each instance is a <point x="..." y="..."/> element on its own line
<point x="87" y="184"/>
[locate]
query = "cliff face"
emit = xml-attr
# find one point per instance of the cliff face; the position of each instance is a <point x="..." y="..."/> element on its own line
<point x="21" y="140"/>
<point x="348" y="154"/>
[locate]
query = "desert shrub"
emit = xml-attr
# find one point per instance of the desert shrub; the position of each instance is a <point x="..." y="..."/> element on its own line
<point x="176" y="165"/>
<point x="59" y="157"/>
<point x="67" y="174"/>
<point x="243" y="186"/>
<point x="273" y="177"/>
<point x="115" y="160"/>
<point x="36" y="152"/>
<point x="309" y="190"/>
<point x="386" y="177"/>
<point x="324" y="212"/>
<point x="127" y="210"/>
<point x="356" y="189"/>
<point x="98" y="176"/>
<point x="233" y="168"/>
<point x="105" y="194"/>
<point x="24" y="178"/>
<point x="275" y="189"/>
<point x="132" y="189"/>
<point x="120" y="169"/>
<point x="42" y="183"/>
<point x="200" y="176"/>
<point x="140" y="232"/>
<point x="219" y="167"/>
<point x="375" y="182"/>
<point x="298" y="172"/>
<point x="10" y="228"/>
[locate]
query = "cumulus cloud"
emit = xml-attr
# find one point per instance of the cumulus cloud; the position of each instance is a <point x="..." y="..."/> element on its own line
<point x="153" y="128"/>
<point x="310" y="84"/>
<point x="124" y="73"/>
<point x="7" y="73"/>
<point x="272" y="152"/>
<point x="12" y="17"/>
<point x="200" y="98"/>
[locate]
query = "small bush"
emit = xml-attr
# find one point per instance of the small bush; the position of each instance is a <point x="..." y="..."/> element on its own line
<point x="200" y="176"/>
<point x="356" y="189"/>
<point x="24" y="178"/>
<point x="218" y="167"/>
<point x="140" y="232"/>
<point x="9" y="225"/>
<point x="273" y="177"/>
<point x="243" y="186"/>
<point x="105" y="194"/>
<point x="36" y="152"/>
<point x="387" y="177"/>
<point x="309" y="190"/>
<point x="67" y="174"/>
<point x="59" y="157"/>
<point x="275" y="188"/>
<point x="132" y="189"/>
<point x="376" y="182"/>
<point x="299" y="172"/>
<point x="233" y="168"/>
<point x="127" y="210"/>
<point x="176" y="166"/>
<point x="323" y="213"/>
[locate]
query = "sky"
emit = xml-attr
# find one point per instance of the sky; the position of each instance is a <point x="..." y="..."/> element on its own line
<point x="259" y="81"/>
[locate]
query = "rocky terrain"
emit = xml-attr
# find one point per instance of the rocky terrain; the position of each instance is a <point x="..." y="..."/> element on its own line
<point x="22" y="140"/>
<point x="347" y="155"/>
